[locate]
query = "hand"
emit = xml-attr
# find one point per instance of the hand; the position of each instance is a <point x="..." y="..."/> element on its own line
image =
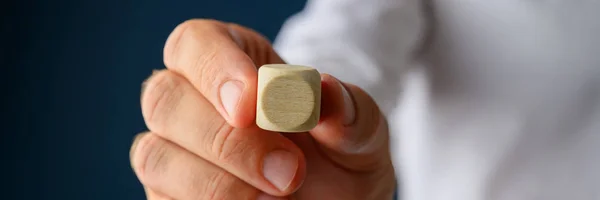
<point x="203" y="144"/>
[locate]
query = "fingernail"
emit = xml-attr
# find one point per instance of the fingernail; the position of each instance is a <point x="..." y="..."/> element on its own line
<point x="230" y="96"/>
<point x="136" y="140"/>
<point x="349" y="112"/>
<point x="268" y="197"/>
<point x="280" y="167"/>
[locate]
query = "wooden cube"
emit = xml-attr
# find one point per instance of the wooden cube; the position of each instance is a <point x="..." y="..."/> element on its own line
<point x="289" y="98"/>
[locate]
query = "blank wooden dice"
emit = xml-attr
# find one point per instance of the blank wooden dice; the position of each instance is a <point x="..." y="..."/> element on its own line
<point x="289" y="98"/>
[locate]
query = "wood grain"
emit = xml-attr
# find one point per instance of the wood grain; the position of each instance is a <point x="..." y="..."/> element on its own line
<point x="289" y="98"/>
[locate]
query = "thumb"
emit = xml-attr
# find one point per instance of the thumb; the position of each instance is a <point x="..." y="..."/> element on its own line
<point x="352" y="130"/>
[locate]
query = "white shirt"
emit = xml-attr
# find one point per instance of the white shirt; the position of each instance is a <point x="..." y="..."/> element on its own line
<point x="486" y="99"/>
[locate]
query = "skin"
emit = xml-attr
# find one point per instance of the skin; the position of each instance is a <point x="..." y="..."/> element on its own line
<point x="195" y="149"/>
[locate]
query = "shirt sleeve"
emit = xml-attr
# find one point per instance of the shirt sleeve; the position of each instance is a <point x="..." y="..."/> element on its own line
<point x="369" y="43"/>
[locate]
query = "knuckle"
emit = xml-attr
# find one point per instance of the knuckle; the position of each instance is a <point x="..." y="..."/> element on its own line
<point x="209" y="23"/>
<point x="206" y="66"/>
<point x="233" y="150"/>
<point x="194" y="48"/>
<point x="152" y="158"/>
<point x="173" y="44"/>
<point x="223" y="138"/>
<point x="184" y="34"/>
<point x="216" y="183"/>
<point x="160" y="98"/>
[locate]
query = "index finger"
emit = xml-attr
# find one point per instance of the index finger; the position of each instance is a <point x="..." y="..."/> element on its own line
<point x="221" y="61"/>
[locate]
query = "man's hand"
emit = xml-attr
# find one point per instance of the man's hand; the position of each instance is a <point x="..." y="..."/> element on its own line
<point x="203" y="144"/>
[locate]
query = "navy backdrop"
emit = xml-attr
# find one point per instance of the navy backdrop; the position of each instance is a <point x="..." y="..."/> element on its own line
<point x="72" y="74"/>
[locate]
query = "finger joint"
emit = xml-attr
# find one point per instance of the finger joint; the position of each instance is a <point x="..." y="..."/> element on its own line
<point x="162" y="95"/>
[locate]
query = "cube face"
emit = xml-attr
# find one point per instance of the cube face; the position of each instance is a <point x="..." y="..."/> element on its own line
<point x="289" y="98"/>
<point x="288" y="101"/>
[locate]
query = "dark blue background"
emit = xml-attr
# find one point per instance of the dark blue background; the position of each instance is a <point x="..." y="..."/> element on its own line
<point x="72" y="72"/>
